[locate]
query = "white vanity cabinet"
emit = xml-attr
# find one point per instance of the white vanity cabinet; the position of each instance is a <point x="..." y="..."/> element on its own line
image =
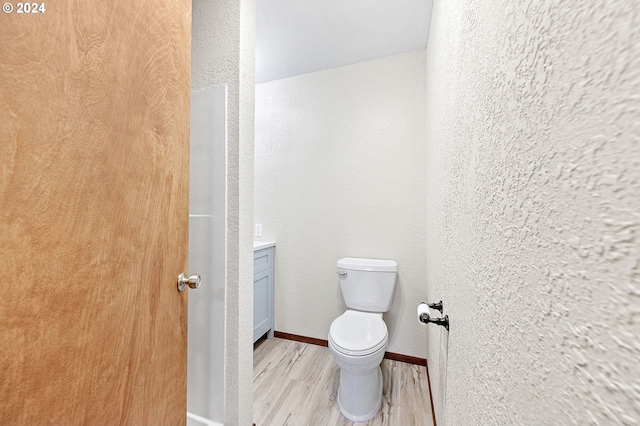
<point x="263" y="283"/>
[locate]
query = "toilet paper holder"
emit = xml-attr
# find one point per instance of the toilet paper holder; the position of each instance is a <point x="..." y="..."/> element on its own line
<point x="437" y="306"/>
<point x="426" y="318"/>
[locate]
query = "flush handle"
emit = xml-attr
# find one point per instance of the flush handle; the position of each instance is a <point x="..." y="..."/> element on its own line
<point x="342" y="274"/>
<point x="193" y="281"/>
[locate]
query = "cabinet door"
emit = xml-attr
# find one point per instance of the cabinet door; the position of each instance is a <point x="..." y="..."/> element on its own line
<point x="261" y="306"/>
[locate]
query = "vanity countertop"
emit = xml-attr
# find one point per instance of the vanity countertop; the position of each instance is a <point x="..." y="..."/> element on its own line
<point x="257" y="245"/>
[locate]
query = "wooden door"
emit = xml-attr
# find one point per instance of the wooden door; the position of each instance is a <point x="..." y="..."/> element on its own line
<point x="94" y="148"/>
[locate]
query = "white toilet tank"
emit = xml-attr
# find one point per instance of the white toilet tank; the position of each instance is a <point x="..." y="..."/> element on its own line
<point x="367" y="284"/>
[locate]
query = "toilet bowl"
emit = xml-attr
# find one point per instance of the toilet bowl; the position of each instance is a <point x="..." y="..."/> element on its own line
<point x="357" y="342"/>
<point x="358" y="338"/>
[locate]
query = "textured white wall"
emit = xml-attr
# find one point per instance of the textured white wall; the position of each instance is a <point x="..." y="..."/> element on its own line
<point x="339" y="171"/>
<point x="223" y="54"/>
<point x="533" y="182"/>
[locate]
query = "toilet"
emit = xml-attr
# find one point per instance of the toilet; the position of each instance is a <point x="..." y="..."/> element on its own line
<point x="358" y="338"/>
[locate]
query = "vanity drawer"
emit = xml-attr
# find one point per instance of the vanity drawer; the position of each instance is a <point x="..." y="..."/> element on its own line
<point x="262" y="259"/>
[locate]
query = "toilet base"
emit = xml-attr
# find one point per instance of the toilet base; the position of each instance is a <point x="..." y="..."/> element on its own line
<point x="360" y="395"/>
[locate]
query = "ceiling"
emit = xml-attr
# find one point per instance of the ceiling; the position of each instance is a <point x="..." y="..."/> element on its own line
<point x="299" y="36"/>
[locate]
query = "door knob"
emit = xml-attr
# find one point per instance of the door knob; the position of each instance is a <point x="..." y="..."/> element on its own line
<point x="192" y="281"/>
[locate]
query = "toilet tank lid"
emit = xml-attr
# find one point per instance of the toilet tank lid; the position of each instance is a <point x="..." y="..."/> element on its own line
<point x="358" y="264"/>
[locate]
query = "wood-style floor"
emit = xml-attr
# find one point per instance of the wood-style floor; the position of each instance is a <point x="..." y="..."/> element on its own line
<point x="297" y="384"/>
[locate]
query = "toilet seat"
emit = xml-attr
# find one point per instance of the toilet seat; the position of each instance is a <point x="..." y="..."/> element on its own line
<point x="358" y="333"/>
